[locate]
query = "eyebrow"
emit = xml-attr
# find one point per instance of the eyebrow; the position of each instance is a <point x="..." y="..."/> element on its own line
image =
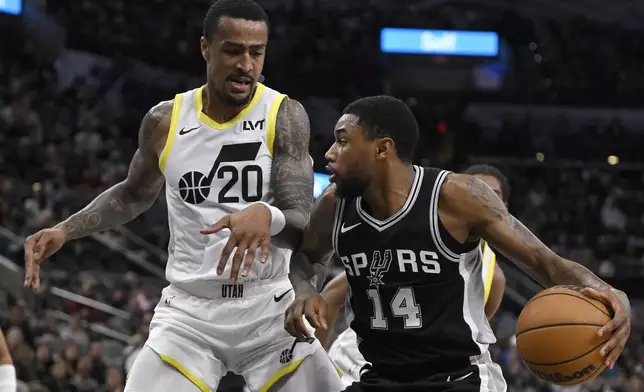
<point x="241" y="45"/>
<point x="339" y="130"/>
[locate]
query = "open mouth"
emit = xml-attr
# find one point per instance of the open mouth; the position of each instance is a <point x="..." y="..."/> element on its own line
<point x="240" y="84"/>
<point x="330" y="170"/>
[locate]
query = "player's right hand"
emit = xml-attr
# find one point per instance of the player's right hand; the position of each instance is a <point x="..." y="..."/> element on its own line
<point x="38" y="247"/>
<point x="313" y="307"/>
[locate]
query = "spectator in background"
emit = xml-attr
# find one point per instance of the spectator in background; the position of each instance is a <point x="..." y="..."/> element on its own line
<point x="18" y="319"/>
<point x="137" y="342"/>
<point x="82" y="378"/>
<point x="23" y="361"/>
<point x="43" y="362"/>
<point x="59" y="378"/>
<point x="98" y="365"/>
<point x="114" y="381"/>
<point x="74" y="333"/>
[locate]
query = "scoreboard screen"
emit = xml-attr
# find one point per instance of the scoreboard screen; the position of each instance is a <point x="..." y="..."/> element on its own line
<point x="12" y="7"/>
<point x="439" y="42"/>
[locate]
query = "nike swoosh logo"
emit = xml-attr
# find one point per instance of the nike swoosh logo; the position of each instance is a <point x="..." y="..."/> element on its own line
<point x="345" y="229"/>
<point x="183" y="131"/>
<point x="460" y="378"/>
<point x="277" y="298"/>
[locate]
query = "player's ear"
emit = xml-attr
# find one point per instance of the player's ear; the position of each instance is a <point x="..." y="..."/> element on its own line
<point x="384" y="147"/>
<point x="205" y="48"/>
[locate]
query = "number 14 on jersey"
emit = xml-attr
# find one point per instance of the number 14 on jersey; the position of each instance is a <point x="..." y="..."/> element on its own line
<point x="402" y="305"/>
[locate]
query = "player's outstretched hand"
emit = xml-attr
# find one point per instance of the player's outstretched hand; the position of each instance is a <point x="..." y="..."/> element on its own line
<point x="313" y="307"/>
<point x="38" y="247"/>
<point x="619" y="326"/>
<point x="250" y="229"/>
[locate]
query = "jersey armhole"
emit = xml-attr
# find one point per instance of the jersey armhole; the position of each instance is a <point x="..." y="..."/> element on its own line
<point x="489" y="262"/>
<point x="434" y="219"/>
<point x="337" y="221"/>
<point x="272" y="120"/>
<point x="172" y="132"/>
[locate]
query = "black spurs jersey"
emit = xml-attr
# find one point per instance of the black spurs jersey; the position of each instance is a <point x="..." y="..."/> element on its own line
<point x="417" y="295"/>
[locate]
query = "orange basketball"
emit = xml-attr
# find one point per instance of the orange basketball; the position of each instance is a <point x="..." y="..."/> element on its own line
<point x="557" y="335"/>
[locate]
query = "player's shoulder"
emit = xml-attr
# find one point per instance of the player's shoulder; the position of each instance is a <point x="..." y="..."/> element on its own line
<point x="468" y="197"/>
<point x="291" y="115"/>
<point x="292" y="127"/>
<point x="161" y="111"/>
<point x="156" y="122"/>
<point x="291" y="109"/>
<point x="458" y="185"/>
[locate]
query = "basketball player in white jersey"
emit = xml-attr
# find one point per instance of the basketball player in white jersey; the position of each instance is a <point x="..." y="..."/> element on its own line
<point x="344" y="350"/>
<point x="233" y="155"/>
<point x="7" y="371"/>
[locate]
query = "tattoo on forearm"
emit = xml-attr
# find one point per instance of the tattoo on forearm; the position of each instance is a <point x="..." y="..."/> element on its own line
<point x="129" y="198"/>
<point x="568" y="272"/>
<point x="555" y="268"/>
<point x="303" y="270"/>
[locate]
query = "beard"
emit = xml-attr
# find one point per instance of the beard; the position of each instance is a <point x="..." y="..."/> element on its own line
<point x="231" y="100"/>
<point x="350" y="188"/>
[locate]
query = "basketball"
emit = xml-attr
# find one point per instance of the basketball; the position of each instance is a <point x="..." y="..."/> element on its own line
<point x="557" y="335"/>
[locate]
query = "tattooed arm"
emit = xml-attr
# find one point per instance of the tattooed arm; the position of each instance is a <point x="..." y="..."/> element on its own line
<point x="316" y="249"/>
<point x="117" y="205"/>
<point x="309" y="260"/>
<point x="134" y="195"/>
<point x="483" y="214"/>
<point x="292" y="172"/>
<point x="335" y="294"/>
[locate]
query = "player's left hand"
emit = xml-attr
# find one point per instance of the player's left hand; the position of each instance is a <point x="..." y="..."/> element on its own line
<point x="313" y="307"/>
<point x="250" y="229"/>
<point x="619" y="326"/>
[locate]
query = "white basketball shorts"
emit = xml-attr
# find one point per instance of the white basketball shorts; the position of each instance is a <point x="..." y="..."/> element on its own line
<point x="240" y="330"/>
<point x="346" y="356"/>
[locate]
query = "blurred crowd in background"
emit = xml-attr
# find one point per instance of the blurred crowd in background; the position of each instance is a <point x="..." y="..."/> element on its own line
<point x="577" y="183"/>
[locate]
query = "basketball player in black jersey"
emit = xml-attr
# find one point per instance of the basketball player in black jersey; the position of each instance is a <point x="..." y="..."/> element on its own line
<point x="408" y="237"/>
<point x="335" y="291"/>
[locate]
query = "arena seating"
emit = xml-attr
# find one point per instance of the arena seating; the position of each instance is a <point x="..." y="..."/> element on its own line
<point x="61" y="147"/>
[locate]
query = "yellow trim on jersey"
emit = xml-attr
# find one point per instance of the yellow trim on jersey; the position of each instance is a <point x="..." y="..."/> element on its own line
<point x="272" y="121"/>
<point x="290" y="368"/>
<point x="221" y="126"/>
<point x="172" y="132"/>
<point x="287" y="370"/>
<point x="188" y="374"/>
<point x="489" y="259"/>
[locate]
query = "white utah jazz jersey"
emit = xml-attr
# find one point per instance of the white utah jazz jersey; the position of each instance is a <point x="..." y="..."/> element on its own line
<point x="213" y="169"/>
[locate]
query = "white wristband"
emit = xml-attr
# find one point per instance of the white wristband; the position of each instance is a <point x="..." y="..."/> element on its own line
<point x="278" y="220"/>
<point x="7" y="378"/>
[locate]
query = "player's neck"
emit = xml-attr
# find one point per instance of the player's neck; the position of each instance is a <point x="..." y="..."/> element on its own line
<point x="388" y="194"/>
<point x="216" y="109"/>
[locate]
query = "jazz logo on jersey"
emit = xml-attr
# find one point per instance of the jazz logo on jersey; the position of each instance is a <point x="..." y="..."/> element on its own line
<point x="379" y="265"/>
<point x="194" y="186"/>
<point x="253" y="125"/>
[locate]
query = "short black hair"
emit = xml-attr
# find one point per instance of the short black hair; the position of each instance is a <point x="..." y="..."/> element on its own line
<point x="385" y="116"/>
<point x="238" y="9"/>
<point x="494" y="172"/>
